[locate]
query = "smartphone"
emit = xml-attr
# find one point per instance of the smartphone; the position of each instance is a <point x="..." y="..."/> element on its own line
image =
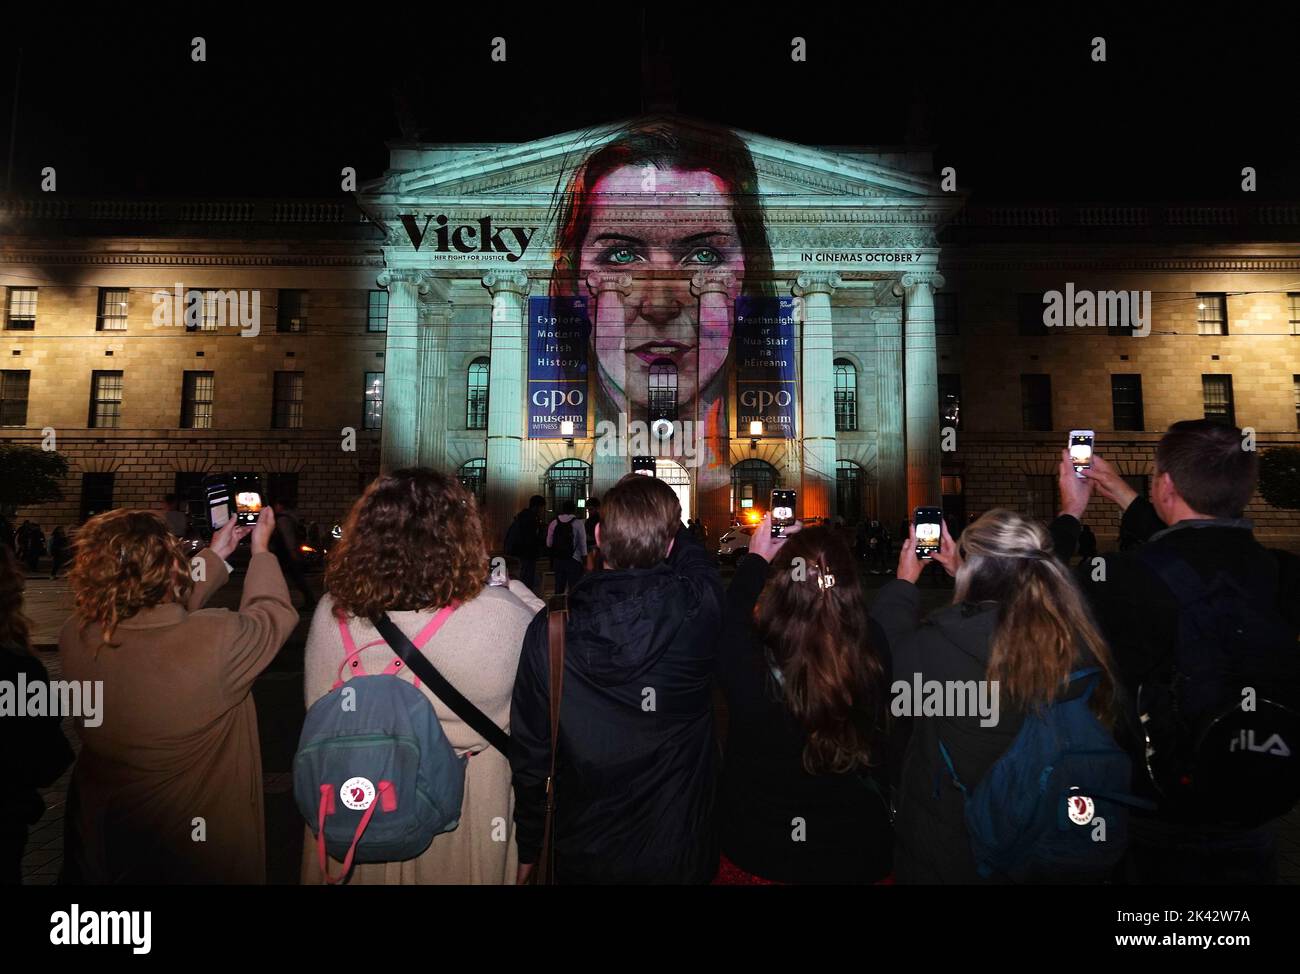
<point x="246" y="489"/>
<point x="644" y="466"/>
<point x="782" y="511"/>
<point x="929" y="521"/>
<point x="218" y="495"/>
<point x="1081" y="450"/>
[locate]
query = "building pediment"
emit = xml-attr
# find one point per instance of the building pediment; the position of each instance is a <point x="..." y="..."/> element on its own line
<point x="813" y="198"/>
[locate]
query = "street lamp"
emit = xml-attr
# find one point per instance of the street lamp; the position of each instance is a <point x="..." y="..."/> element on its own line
<point x="755" y="431"/>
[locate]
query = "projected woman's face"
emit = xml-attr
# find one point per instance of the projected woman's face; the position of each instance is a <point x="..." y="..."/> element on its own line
<point x="690" y="229"/>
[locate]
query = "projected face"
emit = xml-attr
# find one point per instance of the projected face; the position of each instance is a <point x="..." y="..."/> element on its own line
<point x="927" y="534"/>
<point x="692" y="230"/>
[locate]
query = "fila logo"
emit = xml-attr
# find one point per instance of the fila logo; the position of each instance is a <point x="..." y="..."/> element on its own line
<point x="1274" y="745"/>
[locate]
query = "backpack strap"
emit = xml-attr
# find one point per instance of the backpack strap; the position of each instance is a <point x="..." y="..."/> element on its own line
<point x="351" y="665"/>
<point x="1183" y="582"/>
<point x="438" y="684"/>
<point x="557" y="618"/>
<point x="386" y="797"/>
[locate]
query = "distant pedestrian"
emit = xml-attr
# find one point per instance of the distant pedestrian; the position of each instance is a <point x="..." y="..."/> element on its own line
<point x="177" y="523"/>
<point x="286" y="545"/>
<point x="60" y="549"/>
<point x="526" y="539"/>
<point x="566" y="542"/>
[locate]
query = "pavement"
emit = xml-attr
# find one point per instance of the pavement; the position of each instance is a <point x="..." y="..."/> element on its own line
<point x="280" y="712"/>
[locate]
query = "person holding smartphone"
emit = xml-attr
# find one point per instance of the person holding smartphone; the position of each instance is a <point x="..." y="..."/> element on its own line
<point x="1019" y="623"/>
<point x="175" y="753"/>
<point x="807" y="704"/>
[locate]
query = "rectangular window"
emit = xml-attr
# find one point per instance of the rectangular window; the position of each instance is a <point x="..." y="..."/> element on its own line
<point x="1029" y="314"/>
<point x="476" y="395"/>
<point x="191" y="499"/>
<point x="1126" y="402"/>
<point x="1218" y="399"/>
<point x="1296" y="380"/>
<point x="196" y="401"/>
<point x="291" y="315"/>
<point x="1211" y="314"/>
<point x="283" y="488"/>
<point x="374" y="401"/>
<point x="945" y="313"/>
<point x="96" y="494"/>
<point x="208" y="310"/>
<point x="1293" y="313"/>
<point x="949" y="400"/>
<point x="21" y="315"/>
<point x="1036" y="401"/>
<point x="846" y="397"/>
<point x="1040" y="496"/>
<point x="286" y="413"/>
<point x="14" y="387"/>
<point x="377" y="311"/>
<point x="105" y="400"/>
<point x="112" y="309"/>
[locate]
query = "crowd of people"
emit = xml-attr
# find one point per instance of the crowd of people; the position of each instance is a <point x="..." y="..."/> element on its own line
<point x="806" y="774"/>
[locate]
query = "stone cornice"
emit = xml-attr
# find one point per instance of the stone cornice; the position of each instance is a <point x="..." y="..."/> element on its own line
<point x="192" y="260"/>
<point x="959" y="261"/>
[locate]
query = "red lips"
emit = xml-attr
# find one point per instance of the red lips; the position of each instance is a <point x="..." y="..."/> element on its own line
<point x="652" y="351"/>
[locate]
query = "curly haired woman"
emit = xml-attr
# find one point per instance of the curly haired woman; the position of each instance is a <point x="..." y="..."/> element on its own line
<point x="168" y="787"/>
<point x="412" y="545"/>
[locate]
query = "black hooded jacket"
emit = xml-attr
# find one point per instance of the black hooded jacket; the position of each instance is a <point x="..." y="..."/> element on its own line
<point x="635" y="780"/>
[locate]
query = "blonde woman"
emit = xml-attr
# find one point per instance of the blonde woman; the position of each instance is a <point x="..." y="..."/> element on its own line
<point x="168" y="785"/>
<point x="1017" y="621"/>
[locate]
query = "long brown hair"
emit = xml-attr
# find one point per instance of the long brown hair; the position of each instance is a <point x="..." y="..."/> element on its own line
<point x="413" y="540"/>
<point x="15" y="628"/>
<point x="811" y="620"/>
<point x="126" y="561"/>
<point x="1044" y="629"/>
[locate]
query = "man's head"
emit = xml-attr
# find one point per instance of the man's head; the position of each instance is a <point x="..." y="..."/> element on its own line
<point x="639" y="517"/>
<point x="169" y="502"/>
<point x="568" y="507"/>
<point x="537" y="503"/>
<point x="1202" y="470"/>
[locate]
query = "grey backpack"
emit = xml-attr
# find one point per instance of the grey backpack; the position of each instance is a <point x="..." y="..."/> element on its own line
<point x="375" y="776"/>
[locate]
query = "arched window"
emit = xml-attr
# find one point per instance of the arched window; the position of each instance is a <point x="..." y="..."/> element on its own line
<point x="473" y="477"/>
<point x="751" y="486"/>
<point x="663" y="390"/>
<point x="848" y="490"/>
<point x="476" y="398"/>
<point x="567" y="480"/>
<point x="846" y="396"/>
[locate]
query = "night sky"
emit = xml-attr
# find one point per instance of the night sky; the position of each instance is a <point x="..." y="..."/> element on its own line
<point x="1017" y="105"/>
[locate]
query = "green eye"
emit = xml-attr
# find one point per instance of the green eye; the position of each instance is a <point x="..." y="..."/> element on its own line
<point x="705" y="255"/>
<point x="622" y="255"/>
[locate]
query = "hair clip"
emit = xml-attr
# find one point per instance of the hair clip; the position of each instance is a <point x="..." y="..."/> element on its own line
<point x="825" y="581"/>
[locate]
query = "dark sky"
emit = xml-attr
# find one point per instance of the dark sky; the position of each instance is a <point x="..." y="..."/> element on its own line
<point x="1016" y="104"/>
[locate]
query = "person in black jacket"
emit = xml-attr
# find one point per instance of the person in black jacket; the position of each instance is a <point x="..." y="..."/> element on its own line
<point x="1018" y="625"/>
<point x="526" y="539"/>
<point x="33" y="750"/>
<point x="1202" y="484"/>
<point x="635" y="779"/>
<point x="803" y="796"/>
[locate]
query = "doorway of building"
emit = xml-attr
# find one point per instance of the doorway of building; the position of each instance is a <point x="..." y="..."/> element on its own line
<point x="675" y="476"/>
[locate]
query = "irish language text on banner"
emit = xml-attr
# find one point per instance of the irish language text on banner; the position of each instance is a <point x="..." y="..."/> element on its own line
<point x="765" y="373"/>
<point x="558" y="333"/>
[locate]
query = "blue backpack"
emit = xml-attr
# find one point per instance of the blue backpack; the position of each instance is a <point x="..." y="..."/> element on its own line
<point x="1037" y="815"/>
<point x="375" y="776"/>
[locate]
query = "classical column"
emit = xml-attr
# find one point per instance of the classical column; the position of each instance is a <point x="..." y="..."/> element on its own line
<point x="509" y="290"/>
<point x="817" y="396"/>
<point x="891" y="458"/>
<point x="712" y="434"/>
<point x="399" y="441"/>
<point x="435" y="327"/>
<point x="608" y="318"/>
<point x="921" y="369"/>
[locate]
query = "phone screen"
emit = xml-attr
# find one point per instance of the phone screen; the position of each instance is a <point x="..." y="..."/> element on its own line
<point x="1081" y="450"/>
<point x="928" y="530"/>
<point x="247" y="489"/>
<point x="218" y="494"/>
<point x="782" y="511"/>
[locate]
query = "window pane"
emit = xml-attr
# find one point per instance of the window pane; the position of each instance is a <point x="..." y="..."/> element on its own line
<point x="476" y="410"/>
<point x="14" y="387"/>
<point x="112" y="309"/>
<point x="22" y="309"/>
<point x="1294" y="313"/>
<point x="196" y="404"/>
<point x="105" y="400"/>
<point x="1036" y="402"/>
<point x="287" y="406"/>
<point x="291" y="315"/>
<point x="1211" y="314"/>
<point x="846" y="396"/>
<point x="1218" y="398"/>
<point x="377" y="313"/>
<point x="1126" y="401"/>
<point x="374" y="401"/>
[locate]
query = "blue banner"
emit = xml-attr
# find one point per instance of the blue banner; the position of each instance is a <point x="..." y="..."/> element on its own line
<point x="559" y="331"/>
<point x="765" y="365"/>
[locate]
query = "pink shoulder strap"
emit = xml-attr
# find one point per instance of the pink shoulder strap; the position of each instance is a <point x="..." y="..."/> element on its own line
<point x="351" y="665"/>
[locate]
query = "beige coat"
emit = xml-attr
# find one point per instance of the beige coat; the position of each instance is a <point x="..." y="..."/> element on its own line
<point x="168" y="789"/>
<point x="477" y="650"/>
